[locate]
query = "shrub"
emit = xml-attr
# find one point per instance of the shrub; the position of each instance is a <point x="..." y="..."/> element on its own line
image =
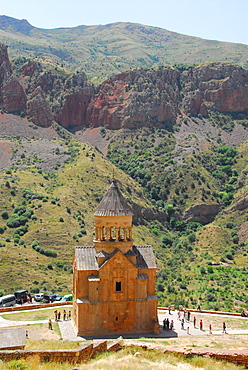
<point x="59" y="263"/>
<point x="35" y="290"/>
<point x="1" y="230"/>
<point x="5" y="215"/>
<point x="61" y="219"/>
<point x="15" y="221"/>
<point x="50" y="266"/>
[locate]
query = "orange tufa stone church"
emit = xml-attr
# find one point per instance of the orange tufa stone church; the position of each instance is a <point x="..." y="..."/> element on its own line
<point x="114" y="280"/>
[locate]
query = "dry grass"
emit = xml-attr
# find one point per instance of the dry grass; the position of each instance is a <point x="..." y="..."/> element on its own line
<point x="130" y="359"/>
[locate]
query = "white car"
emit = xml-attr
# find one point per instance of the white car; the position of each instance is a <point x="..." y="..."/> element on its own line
<point x="38" y="297"/>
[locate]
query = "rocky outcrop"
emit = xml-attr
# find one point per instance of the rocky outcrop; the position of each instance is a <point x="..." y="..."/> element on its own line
<point x="136" y="98"/>
<point x="12" y="95"/>
<point x="156" y="96"/>
<point x="75" y="101"/>
<point x="203" y="213"/>
<point x="38" y="110"/>
<point x="222" y="87"/>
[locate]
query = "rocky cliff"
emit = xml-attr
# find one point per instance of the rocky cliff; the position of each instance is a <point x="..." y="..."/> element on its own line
<point x="140" y="97"/>
<point x="12" y="95"/>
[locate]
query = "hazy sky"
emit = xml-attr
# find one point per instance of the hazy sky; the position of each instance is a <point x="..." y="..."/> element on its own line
<point x="223" y="20"/>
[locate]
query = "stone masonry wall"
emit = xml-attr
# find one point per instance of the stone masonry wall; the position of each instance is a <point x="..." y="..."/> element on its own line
<point x="73" y="356"/>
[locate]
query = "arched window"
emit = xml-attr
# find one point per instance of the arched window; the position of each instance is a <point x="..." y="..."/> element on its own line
<point x="112" y="233"/>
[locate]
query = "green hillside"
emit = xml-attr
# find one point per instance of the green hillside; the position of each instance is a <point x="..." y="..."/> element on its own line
<point x="105" y="50"/>
<point x="45" y="214"/>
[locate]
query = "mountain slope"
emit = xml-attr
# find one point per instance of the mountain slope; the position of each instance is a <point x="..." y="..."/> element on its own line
<point x="105" y="50"/>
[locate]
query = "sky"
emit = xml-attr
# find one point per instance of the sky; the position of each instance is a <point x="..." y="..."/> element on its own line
<point x="222" y="20"/>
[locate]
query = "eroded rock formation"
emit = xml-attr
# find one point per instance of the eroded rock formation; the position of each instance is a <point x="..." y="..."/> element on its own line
<point x="140" y="97"/>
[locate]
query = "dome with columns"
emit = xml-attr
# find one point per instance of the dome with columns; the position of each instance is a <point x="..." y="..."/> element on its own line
<point x="113" y="221"/>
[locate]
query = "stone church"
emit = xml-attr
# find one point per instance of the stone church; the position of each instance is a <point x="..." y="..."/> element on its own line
<point x="113" y="279"/>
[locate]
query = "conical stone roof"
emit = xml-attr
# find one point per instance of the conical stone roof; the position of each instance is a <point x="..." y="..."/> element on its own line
<point x="113" y="203"/>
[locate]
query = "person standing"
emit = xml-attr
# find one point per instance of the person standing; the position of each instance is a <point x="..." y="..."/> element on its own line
<point x="224" y="327"/>
<point x="182" y="323"/>
<point x="50" y="325"/>
<point x="201" y="325"/>
<point x="64" y="315"/>
<point x="171" y="325"/>
<point x="164" y="323"/>
<point x="59" y="314"/>
<point x="210" y="329"/>
<point x="188" y="315"/>
<point x="194" y="320"/>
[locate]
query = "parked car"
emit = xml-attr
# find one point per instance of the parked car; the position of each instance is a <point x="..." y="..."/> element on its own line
<point x="38" y="297"/>
<point x="67" y="298"/>
<point x="58" y="298"/>
<point x="49" y="298"/>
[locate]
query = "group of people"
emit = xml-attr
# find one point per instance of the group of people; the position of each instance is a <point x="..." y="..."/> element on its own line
<point x="167" y="324"/>
<point x="186" y="317"/>
<point x="58" y="316"/>
<point x="66" y="315"/>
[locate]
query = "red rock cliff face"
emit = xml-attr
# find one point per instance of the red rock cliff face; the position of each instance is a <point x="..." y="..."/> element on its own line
<point x="221" y="87"/>
<point x="12" y="95"/>
<point x="75" y="104"/>
<point x="136" y="98"/>
<point x="38" y="109"/>
<point x="156" y="96"/>
<point x="130" y="99"/>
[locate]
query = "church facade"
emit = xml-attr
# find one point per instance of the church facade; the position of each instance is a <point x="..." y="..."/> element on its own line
<point x="113" y="279"/>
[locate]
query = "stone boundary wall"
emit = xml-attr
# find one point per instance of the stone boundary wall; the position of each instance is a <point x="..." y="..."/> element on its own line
<point x="236" y="357"/>
<point x="34" y="306"/>
<point x="73" y="356"/>
<point x="205" y="311"/>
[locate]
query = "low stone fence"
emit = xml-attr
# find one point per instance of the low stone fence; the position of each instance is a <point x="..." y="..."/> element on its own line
<point x="205" y="311"/>
<point x="32" y="306"/>
<point x="236" y="357"/>
<point x="73" y="356"/>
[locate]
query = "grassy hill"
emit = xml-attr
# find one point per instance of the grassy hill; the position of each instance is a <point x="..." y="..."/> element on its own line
<point x="47" y="205"/>
<point x="105" y="50"/>
<point x="54" y="210"/>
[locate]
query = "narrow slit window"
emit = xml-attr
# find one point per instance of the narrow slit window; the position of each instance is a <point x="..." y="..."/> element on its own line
<point x="118" y="286"/>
